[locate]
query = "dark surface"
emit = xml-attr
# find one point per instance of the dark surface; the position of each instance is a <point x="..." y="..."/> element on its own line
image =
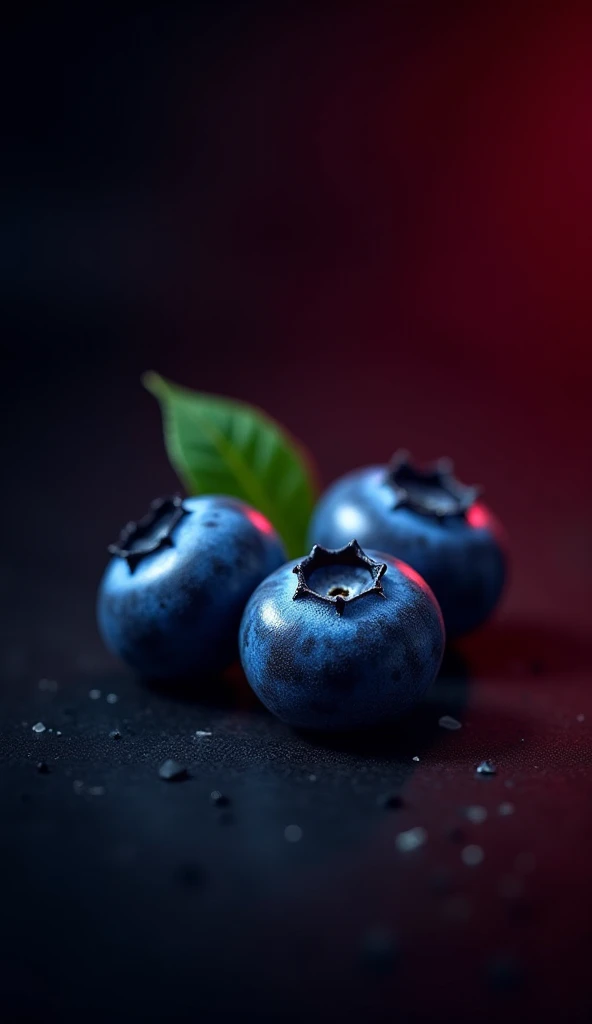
<point x="143" y="897"/>
<point x="375" y="225"/>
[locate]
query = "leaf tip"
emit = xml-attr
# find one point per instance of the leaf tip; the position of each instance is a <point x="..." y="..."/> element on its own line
<point x="153" y="382"/>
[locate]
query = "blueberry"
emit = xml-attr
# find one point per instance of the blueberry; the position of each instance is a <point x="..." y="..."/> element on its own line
<point x="341" y="639"/>
<point x="172" y="596"/>
<point x="429" y="520"/>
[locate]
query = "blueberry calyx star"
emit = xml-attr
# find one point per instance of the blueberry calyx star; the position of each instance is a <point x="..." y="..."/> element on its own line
<point x="433" y="491"/>
<point x="151" y="533"/>
<point x="352" y="556"/>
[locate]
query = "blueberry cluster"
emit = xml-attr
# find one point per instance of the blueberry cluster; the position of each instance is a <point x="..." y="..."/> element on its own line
<point x="349" y="636"/>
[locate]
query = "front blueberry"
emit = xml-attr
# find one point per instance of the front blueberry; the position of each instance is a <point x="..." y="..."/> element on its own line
<point x="171" y="599"/>
<point x="342" y="639"/>
<point x="429" y="520"/>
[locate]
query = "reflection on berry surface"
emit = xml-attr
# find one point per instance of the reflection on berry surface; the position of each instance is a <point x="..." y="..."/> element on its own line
<point x="428" y="519"/>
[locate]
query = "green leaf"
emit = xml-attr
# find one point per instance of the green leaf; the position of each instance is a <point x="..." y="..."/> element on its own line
<point x="220" y="446"/>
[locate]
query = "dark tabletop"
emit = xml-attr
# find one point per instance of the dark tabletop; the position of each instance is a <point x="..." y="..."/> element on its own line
<point x="187" y="196"/>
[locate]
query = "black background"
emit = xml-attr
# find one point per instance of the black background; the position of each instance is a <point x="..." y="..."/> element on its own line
<point x="375" y="223"/>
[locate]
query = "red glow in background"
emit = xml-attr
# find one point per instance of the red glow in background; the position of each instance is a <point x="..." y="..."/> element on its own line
<point x="394" y="231"/>
<point x="375" y="224"/>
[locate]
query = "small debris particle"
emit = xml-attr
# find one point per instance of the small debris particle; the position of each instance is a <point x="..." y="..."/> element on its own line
<point x="525" y="862"/>
<point x="390" y="801"/>
<point x="202" y="733"/>
<point x="379" y="949"/>
<point x="112" y="698"/>
<point x="476" y="814"/>
<point x="49" y="685"/>
<point x="96" y="790"/>
<point x="43" y="768"/>
<point x="172" y="771"/>
<point x="293" y="833"/>
<point x="472" y="855"/>
<point x="94" y="694"/>
<point x="450" y="723"/>
<point x="58" y="732"/>
<point x="189" y="875"/>
<point x="510" y="887"/>
<point x="115" y="734"/>
<point x="580" y="718"/>
<point x="415" y="758"/>
<point x="78" y="786"/>
<point x="219" y="799"/>
<point x="504" y="973"/>
<point x="486" y="768"/>
<point x="505" y="809"/>
<point x="312" y="778"/>
<point x="39" y="727"/>
<point x="411" y="840"/>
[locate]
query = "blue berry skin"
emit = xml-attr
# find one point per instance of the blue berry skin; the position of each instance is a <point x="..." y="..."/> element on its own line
<point x="175" y="611"/>
<point x="462" y="557"/>
<point x="316" y="668"/>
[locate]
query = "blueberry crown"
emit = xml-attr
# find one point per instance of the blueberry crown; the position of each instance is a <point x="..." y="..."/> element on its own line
<point x="339" y="595"/>
<point x="151" y="533"/>
<point x="433" y="491"/>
